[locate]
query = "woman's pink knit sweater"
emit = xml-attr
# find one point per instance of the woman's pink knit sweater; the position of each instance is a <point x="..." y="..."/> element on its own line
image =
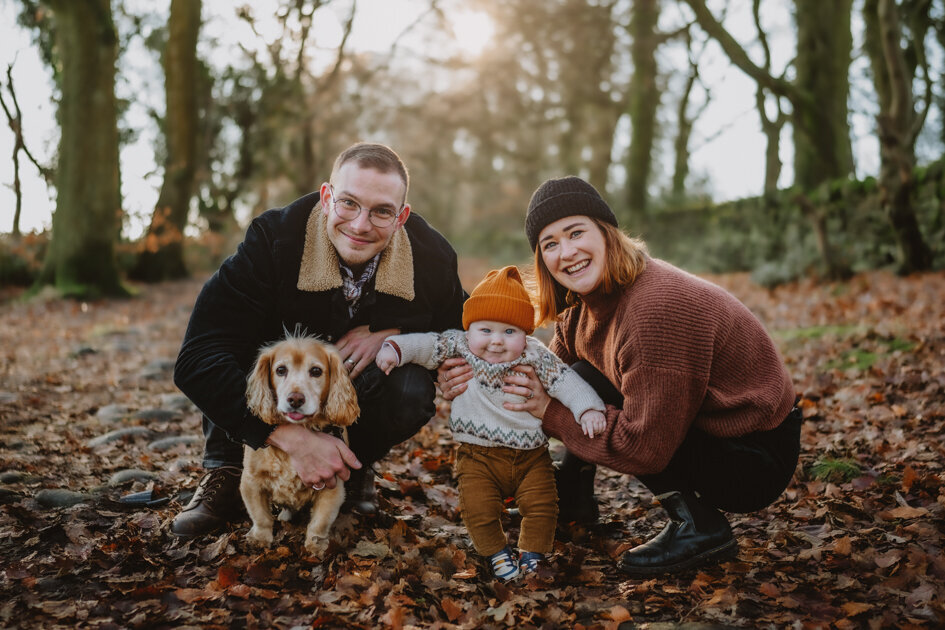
<point x="684" y="352"/>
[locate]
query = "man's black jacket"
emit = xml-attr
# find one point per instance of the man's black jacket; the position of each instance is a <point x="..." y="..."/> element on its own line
<point x="285" y="277"/>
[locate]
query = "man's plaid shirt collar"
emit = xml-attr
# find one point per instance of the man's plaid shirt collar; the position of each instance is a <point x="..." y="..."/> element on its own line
<point x="352" y="286"/>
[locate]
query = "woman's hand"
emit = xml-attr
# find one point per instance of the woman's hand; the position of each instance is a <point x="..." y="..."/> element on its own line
<point x="524" y="382"/>
<point x="451" y="377"/>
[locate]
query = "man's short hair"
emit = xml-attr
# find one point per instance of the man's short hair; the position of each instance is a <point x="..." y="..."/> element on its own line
<point x="372" y="155"/>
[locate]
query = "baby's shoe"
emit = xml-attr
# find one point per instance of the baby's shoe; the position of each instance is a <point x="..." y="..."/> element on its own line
<point x="529" y="561"/>
<point x="504" y="566"/>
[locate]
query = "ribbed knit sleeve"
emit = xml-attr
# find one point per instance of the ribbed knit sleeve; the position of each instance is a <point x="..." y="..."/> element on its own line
<point x="427" y="349"/>
<point x="640" y="437"/>
<point x="683" y="353"/>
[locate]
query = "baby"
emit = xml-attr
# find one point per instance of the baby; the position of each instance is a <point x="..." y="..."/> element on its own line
<point x="501" y="453"/>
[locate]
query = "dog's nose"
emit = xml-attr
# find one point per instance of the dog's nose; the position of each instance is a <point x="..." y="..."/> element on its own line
<point x="296" y="400"/>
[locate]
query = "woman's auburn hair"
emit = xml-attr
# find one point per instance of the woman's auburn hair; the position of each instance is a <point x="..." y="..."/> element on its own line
<point x="626" y="259"/>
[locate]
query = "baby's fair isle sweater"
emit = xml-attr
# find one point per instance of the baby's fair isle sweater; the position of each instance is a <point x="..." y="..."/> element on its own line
<point x="478" y="416"/>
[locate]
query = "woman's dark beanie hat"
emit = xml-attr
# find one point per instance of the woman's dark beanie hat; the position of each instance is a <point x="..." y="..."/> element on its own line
<point x="563" y="197"/>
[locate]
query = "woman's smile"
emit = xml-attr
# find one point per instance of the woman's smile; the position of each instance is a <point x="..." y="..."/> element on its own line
<point x="573" y="269"/>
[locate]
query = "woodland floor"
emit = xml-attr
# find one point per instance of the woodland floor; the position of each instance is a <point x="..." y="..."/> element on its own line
<point x="88" y="413"/>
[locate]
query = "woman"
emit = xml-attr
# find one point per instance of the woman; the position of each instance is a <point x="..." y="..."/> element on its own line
<point x="700" y="406"/>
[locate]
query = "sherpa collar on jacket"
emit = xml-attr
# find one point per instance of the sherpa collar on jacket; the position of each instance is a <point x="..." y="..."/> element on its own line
<point x="319" y="270"/>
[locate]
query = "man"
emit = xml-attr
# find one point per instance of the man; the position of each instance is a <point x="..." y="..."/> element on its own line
<point x="348" y="263"/>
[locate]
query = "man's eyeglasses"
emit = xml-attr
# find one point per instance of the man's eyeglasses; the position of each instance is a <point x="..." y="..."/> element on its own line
<point x="349" y="210"/>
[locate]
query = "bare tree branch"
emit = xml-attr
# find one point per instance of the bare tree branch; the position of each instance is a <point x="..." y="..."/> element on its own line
<point x="16" y="125"/>
<point x="342" y="48"/>
<point x="737" y="55"/>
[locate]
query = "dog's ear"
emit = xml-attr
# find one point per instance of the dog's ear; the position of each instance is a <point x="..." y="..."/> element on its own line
<point x="341" y="404"/>
<point x="259" y="395"/>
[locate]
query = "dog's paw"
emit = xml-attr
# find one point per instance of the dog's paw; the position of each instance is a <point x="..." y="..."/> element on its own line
<point x="317" y="546"/>
<point x="259" y="536"/>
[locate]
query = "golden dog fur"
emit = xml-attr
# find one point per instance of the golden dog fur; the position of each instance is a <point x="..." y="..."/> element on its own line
<point x="299" y="380"/>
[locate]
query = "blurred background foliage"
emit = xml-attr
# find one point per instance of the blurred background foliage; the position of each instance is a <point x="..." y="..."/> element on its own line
<point x="484" y="100"/>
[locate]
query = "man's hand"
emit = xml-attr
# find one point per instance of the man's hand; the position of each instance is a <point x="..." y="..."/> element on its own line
<point x="593" y="422"/>
<point x="319" y="459"/>
<point x="451" y="377"/>
<point x="359" y="347"/>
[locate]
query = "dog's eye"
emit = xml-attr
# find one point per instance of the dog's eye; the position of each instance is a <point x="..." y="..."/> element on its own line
<point x="281" y="370"/>
<point x="315" y="372"/>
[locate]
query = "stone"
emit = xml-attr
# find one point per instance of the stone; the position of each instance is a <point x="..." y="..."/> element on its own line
<point x="176" y="402"/>
<point x="156" y="415"/>
<point x="118" y="434"/>
<point x="8" y="496"/>
<point x="113" y="413"/>
<point x="130" y="474"/>
<point x="60" y="497"/>
<point x="11" y="476"/>
<point x="184" y="464"/>
<point x="157" y="369"/>
<point x="168" y="443"/>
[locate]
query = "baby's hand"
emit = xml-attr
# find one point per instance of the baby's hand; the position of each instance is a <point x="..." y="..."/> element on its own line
<point x="387" y="359"/>
<point x="593" y="422"/>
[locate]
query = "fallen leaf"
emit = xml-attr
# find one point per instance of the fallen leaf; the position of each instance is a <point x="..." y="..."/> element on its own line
<point x="242" y="591"/>
<point x="227" y="576"/>
<point x="843" y="546"/>
<point x="191" y="595"/>
<point x="908" y="478"/>
<point x="451" y="609"/>
<point x="394" y="618"/>
<point x="902" y="512"/>
<point x="888" y="559"/>
<point x="369" y="549"/>
<point x="618" y="613"/>
<point x="855" y="608"/>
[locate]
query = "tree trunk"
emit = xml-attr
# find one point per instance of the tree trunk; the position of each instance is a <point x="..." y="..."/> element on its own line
<point x="644" y="102"/>
<point x="81" y="257"/>
<point x="602" y="137"/>
<point x="834" y="268"/>
<point x="162" y="255"/>
<point x="898" y="128"/>
<point x="822" y="149"/>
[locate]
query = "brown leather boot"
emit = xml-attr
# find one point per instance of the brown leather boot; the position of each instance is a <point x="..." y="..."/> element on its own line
<point x="216" y="502"/>
<point x="360" y="495"/>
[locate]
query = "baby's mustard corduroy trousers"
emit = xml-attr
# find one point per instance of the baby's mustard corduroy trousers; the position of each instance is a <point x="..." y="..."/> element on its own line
<point x="487" y="475"/>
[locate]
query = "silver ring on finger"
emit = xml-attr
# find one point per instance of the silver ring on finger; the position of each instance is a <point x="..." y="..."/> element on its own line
<point x="318" y="486"/>
<point x="531" y="395"/>
<point x="350" y="361"/>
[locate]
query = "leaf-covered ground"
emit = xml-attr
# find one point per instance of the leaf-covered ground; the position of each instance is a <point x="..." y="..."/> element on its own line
<point x="89" y="414"/>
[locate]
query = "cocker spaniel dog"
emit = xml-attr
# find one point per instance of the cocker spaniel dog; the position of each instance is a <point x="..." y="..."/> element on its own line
<point x="298" y="380"/>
